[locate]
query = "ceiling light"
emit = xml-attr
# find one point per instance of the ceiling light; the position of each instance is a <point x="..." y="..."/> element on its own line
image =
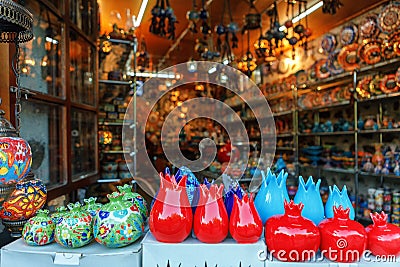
<point x="304" y="14"/>
<point x="137" y="20"/>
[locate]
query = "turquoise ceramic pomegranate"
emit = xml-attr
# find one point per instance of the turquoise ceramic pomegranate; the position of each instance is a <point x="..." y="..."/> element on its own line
<point x="74" y="228"/>
<point x="39" y="230"/>
<point x="58" y="214"/>
<point x="134" y="198"/>
<point x="118" y="223"/>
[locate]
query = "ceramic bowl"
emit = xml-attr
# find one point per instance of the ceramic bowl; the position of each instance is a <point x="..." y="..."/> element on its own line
<point x="109" y="175"/>
<point x="124" y="174"/>
<point x="110" y="166"/>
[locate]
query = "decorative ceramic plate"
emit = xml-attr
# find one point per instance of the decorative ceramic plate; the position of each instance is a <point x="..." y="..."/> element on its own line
<point x="333" y="65"/>
<point x="398" y="76"/>
<point x="387" y="49"/>
<point x="363" y="86"/>
<point x="369" y="27"/>
<point x="347" y="57"/>
<point x="321" y="69"/>
<point x="301" y="77"/>
<point x="389" y="18"/>
<point x="328" y="43"/>
<point x="370" y="51"/>
<point x="388" y="84"/>
<point x="349" y="34"/>
<point x="395" y="40"/>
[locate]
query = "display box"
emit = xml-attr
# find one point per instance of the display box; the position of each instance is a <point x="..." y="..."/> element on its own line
<point x="192" y="252"/>
<point x="18" y="253"/>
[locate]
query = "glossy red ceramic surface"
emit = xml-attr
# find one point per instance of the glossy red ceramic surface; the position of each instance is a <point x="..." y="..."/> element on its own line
<point x="383" y="237"/>
<point x="245" y="224"/>
<point x="211" y="223"/>
<point x="342" y="239"/>
<point x="291" y="237"/>
<point x="171" y="216"/>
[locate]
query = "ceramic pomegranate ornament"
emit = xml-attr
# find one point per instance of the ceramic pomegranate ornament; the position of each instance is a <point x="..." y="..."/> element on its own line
<point x="342" y="239"/>
<point x="136" y="199"/>
<point x="171" y="216"/>
<point x="338" y="198"/>
<point x="272" y="194"/>
<point x="27" y="198"/>
<point x="291" y="237"/>
<point x="308" y="194"/>
<point x="39" y="230"/>
<point x="118" y="223"/>
<point x="75" y="228"/>
<point x="15" y="153"/>
<point x="58" y="214"/>
<point x="383" y="237"/>
<point x="210" y="222"/>
<point x="91" y="206"/>
<point x="245" y="225"/>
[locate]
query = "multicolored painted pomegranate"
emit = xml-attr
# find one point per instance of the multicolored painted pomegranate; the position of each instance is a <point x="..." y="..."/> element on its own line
<point x="383" y="237"/>
<point x="39" y="230"/>
<point x="291" y="237"/>
<point x="245" y="224"/>
<point x="342" y="239"/>
<point x="171" y="216"/>
<point x="211" y="223"/>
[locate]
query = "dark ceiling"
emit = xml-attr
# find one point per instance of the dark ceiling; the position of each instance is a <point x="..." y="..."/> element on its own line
<point x="158" y="47"/>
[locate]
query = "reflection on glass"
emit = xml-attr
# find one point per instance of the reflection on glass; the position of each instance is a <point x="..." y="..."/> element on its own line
<point x="81" y="14"/>
<point x="83" y="143"/>
<point x="82" y="70"/>
<point x="41" y="126"/>
<point x="41" y="60"/>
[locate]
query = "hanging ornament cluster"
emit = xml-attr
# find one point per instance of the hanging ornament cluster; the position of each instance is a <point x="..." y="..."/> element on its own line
<point x="227" y="33"/>
<point x="330" y="6"/>
<point x="163" y="20"/>
<point x="247" y="63"/>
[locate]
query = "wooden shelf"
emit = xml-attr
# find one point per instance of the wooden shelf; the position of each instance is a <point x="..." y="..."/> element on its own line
<point x="327" y="133"/>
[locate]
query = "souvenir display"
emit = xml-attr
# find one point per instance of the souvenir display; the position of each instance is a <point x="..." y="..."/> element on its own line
<point x="210" y="221"/>
<point x="292" y="234"/>
<point x="349" y="34"/>
<point x="309" y="195"/>
<point x="58" y="214"/>
<point x="27" y="198"/>
<point x="245" y="225"/>
<point x="383" y="237"/>
<point x="368" y="27"/>
<point x="91" y="206"/>
<point x="344" y="238"/>
<point x="117" y="223"/>
<point x="229" y="198"/>
<point x="389" y="18"/>
<point x="171" y="216"/>
<point x="271" y="195"/>
<point x="75" y="228"/>
<point x="39" y="230"/>
<point x="192" y="184"/>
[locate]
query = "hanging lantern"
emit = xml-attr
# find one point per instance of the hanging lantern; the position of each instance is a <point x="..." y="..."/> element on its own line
<point x="15" y="153"/>
<point x="252" y="20"/>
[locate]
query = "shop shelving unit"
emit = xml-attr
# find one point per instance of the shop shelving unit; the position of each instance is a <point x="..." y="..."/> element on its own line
<point x="118" y="124"/>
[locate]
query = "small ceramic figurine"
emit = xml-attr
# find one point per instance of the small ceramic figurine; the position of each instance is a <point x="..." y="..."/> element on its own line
<point x="378" y="168"/>
<point x="368" y="166"/>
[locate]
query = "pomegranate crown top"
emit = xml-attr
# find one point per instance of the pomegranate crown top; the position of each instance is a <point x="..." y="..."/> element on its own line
<point x="340" y="212"/>
<point x="293" y="209"/>
<point x="379" y="218"/>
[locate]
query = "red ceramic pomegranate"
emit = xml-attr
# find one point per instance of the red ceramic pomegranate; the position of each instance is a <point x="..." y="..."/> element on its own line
<point x="171" y="216"/>
<point x="245" y="224"/>
<point x="210" y="222"/>
<point x="342" y="239"/>
<point x="383" y="237"/>
<point x="291" y="237"/>
<point x="227" y="151"/>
